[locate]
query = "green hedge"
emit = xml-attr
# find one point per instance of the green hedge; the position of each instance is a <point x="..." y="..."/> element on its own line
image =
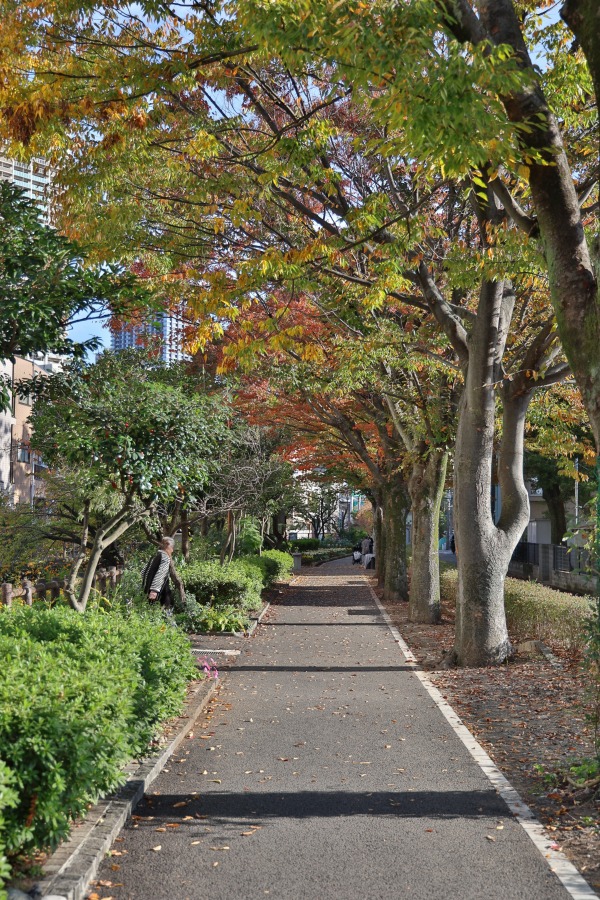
<point x="8" y="800"/>
<point x="80" y="695"/>
<point x="284" y="563"/>
<point x="534" y="611"/>
<point x="210" y="584"/>
<point x="274" y="565"/>
<point x="313" y="557"/>
<point x="303" y="544"/>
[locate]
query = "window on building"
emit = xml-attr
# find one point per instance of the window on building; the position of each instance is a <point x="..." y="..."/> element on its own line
<point x="23" y="454"/>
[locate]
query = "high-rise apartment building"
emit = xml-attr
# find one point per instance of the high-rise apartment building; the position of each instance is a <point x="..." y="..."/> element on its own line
<point x="33" y="177"/>
<point x="166" y="334"/>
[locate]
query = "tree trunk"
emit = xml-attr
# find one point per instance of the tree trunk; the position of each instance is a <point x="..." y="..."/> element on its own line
<point x="573" y="266"/>
<point x="556" y="511"/>
<point x="79" y="560"/>
<point x="426" y="488"/>
<point x="378" y="539"/>
<point x="278" y="536"/>
<point x="90" y="571"/>
<point x="185" y="535"/>
<point x="178" y="581"/>
<point x="106" y="535"/>
<point x="395" y="509"/>
<point x="484" y="549"/>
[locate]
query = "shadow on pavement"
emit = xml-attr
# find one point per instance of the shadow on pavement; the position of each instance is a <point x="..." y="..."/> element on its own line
<point x="221" y="808"/>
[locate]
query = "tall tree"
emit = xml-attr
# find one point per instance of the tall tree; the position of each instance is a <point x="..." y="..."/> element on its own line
<point x="124" y="428"/>
<point x="45" y="284"/>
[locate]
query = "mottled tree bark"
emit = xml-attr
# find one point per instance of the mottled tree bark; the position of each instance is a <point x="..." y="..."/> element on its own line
<point x="572" y="264"/>
<point x="395" y="509"/>
<point x="483" y="548"/>
<point x="378" y="539"/>
<point x="426" y="488"/>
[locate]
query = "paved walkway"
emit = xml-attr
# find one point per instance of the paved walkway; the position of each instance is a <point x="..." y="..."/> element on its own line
<point x="329" y="773"/>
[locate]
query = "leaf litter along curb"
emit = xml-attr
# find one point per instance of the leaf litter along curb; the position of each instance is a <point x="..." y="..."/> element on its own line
<point x="530" y="717"/>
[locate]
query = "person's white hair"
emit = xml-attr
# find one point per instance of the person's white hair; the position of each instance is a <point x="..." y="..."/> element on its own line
<point x="166" y="542"/>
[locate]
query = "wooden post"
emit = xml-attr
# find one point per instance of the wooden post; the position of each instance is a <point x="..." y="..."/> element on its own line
<point x="7" y="593"/>
<point x="27" y="591"/>
<point x="54" y="591"/>
<point x="40" y="589"/>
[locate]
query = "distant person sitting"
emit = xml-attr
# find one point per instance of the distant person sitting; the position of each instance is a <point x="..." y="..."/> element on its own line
<point x="155" y="577"/>
<point x="356" y="554"/>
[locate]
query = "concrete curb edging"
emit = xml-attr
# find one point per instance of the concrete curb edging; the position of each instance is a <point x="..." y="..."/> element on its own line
<point x="571" y="879"/>
<point x="256" y="621"/>
<point x="73" y="866"/>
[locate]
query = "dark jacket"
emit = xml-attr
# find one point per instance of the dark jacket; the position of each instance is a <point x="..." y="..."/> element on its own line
<point x="155" y="577"/>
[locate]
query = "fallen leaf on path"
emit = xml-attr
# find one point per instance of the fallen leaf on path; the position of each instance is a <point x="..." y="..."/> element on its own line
<point x="490" y="837"/>
<point x="157" y="848"/>
<point x="160" y="829"/>
<point x="196" y="842"/>
<point x="220" y="848"/>
<point x="181" y="803"/>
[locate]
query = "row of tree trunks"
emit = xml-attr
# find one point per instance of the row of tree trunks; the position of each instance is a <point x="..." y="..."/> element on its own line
<point x="426" y="488"/>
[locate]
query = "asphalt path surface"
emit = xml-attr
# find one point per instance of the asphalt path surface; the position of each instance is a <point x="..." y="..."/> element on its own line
<point x="324" y="770"/>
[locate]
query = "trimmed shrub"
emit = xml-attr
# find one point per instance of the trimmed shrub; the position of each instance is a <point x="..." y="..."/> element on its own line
<point x="314" y="557"/>
<point x="236" y="584"/>
<point x="303" y="544"/>
<point x="79" y="697"/>
<point x="534" y="611"/>
<point x="273" y="565"/>
<point x="284" y="563"/>
<point x="265" y="566"/>
<point x="8" y="800"/>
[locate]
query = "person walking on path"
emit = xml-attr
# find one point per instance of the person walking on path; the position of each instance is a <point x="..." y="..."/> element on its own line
<point x="155" y="576"/>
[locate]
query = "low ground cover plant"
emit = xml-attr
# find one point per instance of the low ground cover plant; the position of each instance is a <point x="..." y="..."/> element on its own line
<point x="79" y="697"/>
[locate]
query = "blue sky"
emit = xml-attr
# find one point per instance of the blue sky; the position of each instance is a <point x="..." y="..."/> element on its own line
<point x="94" y="328"/>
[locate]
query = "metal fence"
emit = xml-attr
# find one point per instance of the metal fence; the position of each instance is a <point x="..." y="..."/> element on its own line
<point x="568" y="568"/>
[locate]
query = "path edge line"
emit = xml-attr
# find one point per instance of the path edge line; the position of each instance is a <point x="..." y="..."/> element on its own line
<point x="569" y="876"/>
